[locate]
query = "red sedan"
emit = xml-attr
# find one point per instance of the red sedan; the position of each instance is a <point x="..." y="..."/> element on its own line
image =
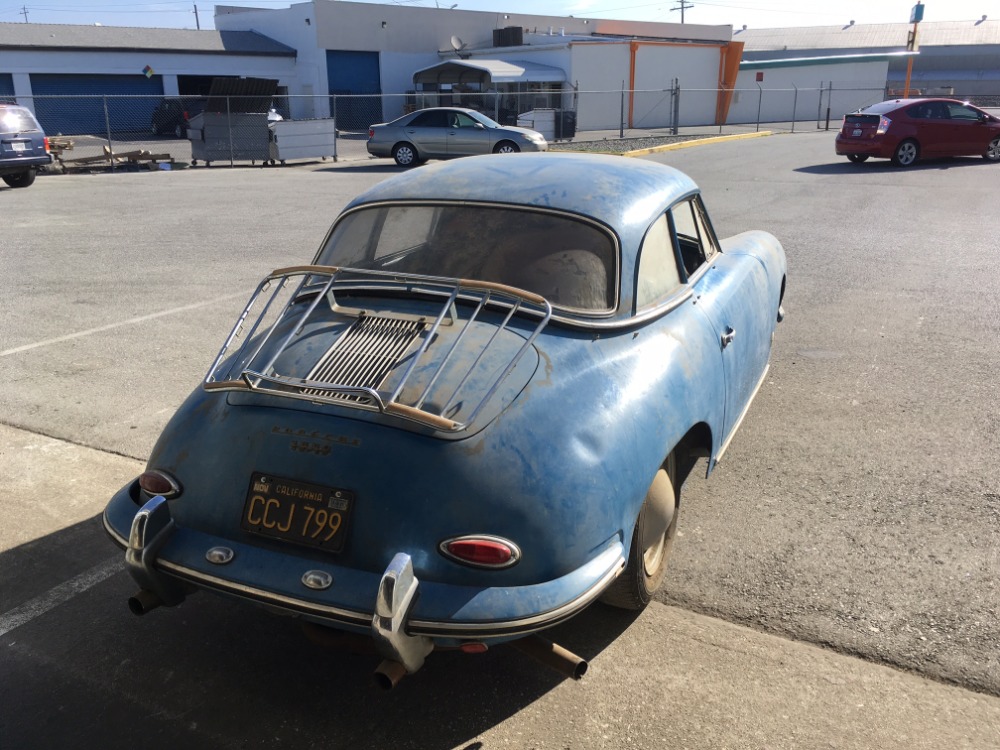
<point x="905" y="130"/>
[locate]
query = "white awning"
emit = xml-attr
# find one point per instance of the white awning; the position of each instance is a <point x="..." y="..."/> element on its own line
<point x="489" y="71"/>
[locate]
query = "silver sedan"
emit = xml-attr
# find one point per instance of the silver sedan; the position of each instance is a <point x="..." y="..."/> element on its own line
<point x="448" y="132"/>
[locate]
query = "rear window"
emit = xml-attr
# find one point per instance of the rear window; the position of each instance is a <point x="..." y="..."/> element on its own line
<point x="570" y="262"/>
<point x="18" y="120"/>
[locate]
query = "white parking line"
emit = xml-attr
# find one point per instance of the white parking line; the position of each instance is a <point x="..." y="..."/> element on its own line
<point x="60" y="594"/>
<point x="119" y="324"/>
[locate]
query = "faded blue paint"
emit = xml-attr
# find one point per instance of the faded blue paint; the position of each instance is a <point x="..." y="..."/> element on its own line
<point x="561" y="462"/>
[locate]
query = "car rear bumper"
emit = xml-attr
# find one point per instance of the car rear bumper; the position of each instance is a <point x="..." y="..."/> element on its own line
<point x="16" y="166"/>
<point x="849" y="147"/>
<point x="171" y="561"/>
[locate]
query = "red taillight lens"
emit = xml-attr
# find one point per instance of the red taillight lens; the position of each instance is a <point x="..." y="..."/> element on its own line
<point x="482" y="551"/>
<point x="371" y="132"/>
<point x="156" y="482"/>
<point x="46" y="139"/>
<point x="883" y="125"/>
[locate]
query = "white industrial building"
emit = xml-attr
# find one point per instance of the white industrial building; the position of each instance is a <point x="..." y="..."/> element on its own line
<point x="365" y="62"/>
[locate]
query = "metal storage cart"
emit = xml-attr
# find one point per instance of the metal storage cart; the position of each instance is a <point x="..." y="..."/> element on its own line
<point x="303" y="139"/>
<point x="234" y="125"/>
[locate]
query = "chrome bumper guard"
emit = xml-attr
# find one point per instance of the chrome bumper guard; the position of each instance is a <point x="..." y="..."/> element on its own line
<point x="151" y="528"/>
<point x="397" y="593"/>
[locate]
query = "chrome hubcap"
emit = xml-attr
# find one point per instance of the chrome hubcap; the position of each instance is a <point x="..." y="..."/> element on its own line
<point x="657" y="516"/>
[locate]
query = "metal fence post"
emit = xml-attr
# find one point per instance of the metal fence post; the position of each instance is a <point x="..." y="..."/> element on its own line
<point x="760" y="102"/>
<point x="677" y="106"/>
<point x="795" y="105"/>
<point x="621" y="115"/>
<point x="107" y="127"/>
<point x="819" y="105"/>
<point x="829" y="102"/>
<point x="229" y="124"/>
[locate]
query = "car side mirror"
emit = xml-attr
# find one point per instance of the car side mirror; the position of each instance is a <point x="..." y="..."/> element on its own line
<point x="480" y="126"/>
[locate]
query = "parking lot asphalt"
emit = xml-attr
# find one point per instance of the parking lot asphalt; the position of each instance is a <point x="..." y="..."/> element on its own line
<point x="856" y="509"/>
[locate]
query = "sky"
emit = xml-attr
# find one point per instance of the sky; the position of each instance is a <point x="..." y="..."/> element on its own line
<point x="753" y="13"/>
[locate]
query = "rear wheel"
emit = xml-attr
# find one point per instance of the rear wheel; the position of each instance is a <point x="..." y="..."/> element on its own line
<point x="404" y="154"/>
<point x="21" y="179"/>
<point x="179" y="131"/>
<point x="857" y="158"/>
<point x="993" y="150"/>
<point x="652" y="541"/>
<point x="506" y="147"/>
<point x="906" y="153"/>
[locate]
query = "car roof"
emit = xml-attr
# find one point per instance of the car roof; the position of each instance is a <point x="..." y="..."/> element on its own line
<point x="623" y="193"/>
<point x="894" y="104"/>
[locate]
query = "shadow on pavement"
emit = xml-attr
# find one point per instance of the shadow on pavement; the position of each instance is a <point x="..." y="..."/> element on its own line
<point x="216" y="672"/>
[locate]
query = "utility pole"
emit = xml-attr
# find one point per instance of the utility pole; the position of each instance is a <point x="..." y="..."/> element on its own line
<point x="681" y="8"/>
<point x="197" y="23"/>
<point x="24" y="12"/>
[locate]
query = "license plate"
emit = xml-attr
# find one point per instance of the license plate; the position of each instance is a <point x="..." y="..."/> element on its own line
<point x="297" y="512"/>
<point x="856" y="133"/>
<point x="19" y="146"/>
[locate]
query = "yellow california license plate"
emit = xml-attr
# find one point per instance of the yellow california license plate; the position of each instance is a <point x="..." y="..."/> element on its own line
<point x="297" y="512"/>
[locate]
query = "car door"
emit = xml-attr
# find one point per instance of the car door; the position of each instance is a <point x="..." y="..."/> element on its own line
<point x="970" y="133"/>
<point x="428" y="131"/>
<point x="731" y="289"/>
<point x="467" y="136"/>
<point x="935" y="130"/>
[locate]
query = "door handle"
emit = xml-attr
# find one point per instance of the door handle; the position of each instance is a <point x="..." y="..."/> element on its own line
<point x="727" y="337"/>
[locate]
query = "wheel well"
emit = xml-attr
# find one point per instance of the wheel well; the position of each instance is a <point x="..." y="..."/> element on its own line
<point x="697" y="443"/>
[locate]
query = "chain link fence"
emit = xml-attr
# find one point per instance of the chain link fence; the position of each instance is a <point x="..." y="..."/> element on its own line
<point x="125" y="133"/>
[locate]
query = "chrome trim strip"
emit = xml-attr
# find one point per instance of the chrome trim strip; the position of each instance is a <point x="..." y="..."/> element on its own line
<point x="421" y="627"/>
<point x="732" y="433"/>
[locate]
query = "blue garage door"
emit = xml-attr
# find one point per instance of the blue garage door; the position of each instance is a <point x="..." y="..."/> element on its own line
<point x="358" y="75"/>
<point x="74" y="104"/>
<point x="6" y="87"/>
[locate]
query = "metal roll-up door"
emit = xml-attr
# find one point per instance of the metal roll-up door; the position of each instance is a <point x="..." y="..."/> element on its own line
<point x="356" y="76"/>
<point x="6" y="87"/>
<point x="74" y="104"/>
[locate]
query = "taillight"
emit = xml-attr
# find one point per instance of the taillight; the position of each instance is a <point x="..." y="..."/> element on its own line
<point x="185" y="116"/>
<point x="883" y="125"/>
<point x="156" y="482"/>
<point x="371" y="132"/>
<point x="481" y="551"/>
<point x="46" y="139"/>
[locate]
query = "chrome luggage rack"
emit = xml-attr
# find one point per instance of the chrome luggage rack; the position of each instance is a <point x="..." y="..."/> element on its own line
<point x="351" y="372"/>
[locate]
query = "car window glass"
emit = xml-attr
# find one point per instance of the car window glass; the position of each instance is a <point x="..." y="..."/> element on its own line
<point x="464" y="121"/>
<point x="409" y="228"/>
<point x="572" y="263"/>
<point x="433" y="119"/>
<point x="17" y="120"/>
<point x="961" y="112"/>
<point x="693" y="238"/>
<point x="658" y="274"/>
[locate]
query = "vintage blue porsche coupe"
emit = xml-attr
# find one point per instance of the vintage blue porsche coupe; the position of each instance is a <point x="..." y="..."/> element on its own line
<point x="471" y="415"/>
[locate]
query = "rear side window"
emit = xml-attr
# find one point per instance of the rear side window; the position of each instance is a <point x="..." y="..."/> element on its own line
<point x="695" y="241"/>
<point x="658" y="274"/>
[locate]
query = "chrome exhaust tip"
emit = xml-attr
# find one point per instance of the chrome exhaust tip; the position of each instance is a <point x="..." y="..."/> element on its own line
<point x="143" y="601"/>
<point x="552" y="655"/>
<point x="388" y="674"/>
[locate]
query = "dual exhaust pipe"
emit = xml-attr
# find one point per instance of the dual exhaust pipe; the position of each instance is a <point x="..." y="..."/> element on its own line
<point x="389" y="673"/>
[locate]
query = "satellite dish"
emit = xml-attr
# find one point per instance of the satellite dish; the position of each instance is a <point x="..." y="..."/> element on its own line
<point x="457" y="44"/>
